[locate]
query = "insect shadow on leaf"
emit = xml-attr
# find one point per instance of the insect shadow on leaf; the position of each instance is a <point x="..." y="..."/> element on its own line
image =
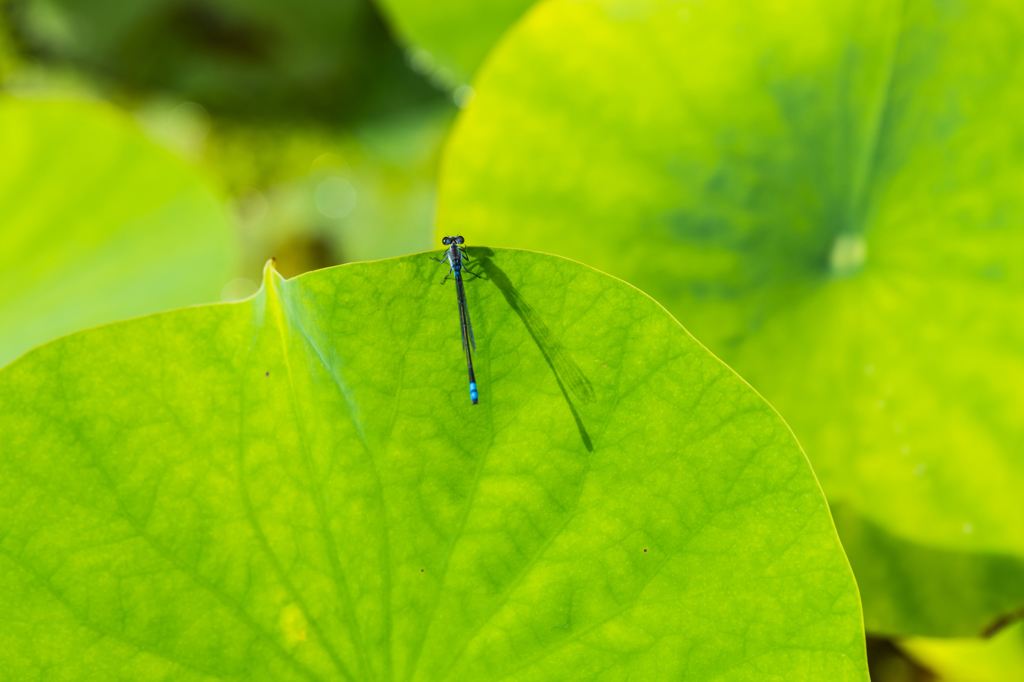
<point x="565" y="369"/>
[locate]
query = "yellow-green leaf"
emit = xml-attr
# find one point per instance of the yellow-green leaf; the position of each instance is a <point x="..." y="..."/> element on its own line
<point x="828" y="195"/>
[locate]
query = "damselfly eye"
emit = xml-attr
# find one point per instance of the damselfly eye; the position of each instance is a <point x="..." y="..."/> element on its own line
<point x="460" y="240"/>
<point x="446" y="241"/>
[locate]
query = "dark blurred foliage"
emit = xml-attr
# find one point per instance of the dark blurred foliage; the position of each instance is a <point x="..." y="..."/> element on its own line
<point x="302" y="254"/>
<point x="889" y="664"/>
<point x="331" y="60"/>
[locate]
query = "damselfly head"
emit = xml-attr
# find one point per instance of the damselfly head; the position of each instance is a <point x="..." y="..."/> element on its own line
<point x="453" y="240"/>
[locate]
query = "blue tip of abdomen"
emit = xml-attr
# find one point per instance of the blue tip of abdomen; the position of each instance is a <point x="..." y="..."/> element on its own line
<point x="472" y="393"/>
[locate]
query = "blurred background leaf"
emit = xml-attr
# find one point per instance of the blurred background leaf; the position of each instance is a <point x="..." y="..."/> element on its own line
<point x="828" y="195"/>
<point x="98" y="223"/>
<point x="998" y="659"/>
<point x="452" y="37"/>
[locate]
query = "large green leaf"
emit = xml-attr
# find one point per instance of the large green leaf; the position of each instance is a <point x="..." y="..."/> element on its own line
<point x="98" y="224"/>
<point x="296" y="487"/>
<point x="999" y="659"/>
<point x="828" y="195"/>
<point x="456" y="34"/>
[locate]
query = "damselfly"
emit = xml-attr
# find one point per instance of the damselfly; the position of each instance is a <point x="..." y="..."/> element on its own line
<point x="456" y="255"/>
